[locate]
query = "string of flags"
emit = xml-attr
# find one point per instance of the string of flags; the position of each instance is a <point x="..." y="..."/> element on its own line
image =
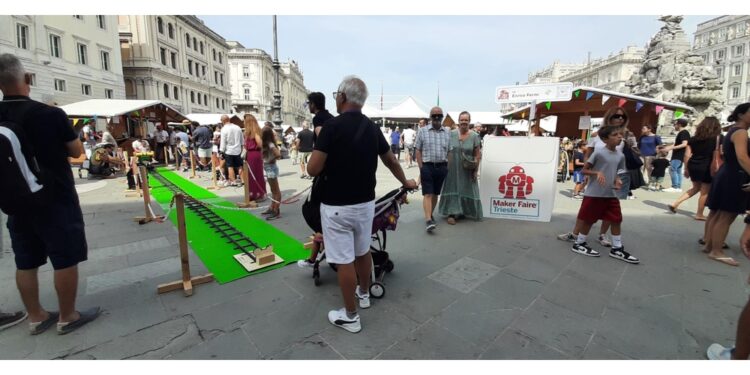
<point x="605" y="98"/>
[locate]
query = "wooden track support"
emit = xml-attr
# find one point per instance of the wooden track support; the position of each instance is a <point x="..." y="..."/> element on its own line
<point x="247" y="203"/>
<point x="143" y="173"/>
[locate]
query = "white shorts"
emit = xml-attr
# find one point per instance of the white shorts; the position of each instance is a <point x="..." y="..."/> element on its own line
<point x="204" y="153"/>
<point x="347" y="231"/>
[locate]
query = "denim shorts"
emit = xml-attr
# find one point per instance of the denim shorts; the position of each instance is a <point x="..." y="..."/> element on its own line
<point x="433" y="176"/>
<point x="272" y="170"/>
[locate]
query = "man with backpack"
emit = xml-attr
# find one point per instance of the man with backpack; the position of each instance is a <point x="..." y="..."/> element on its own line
<point x="39" y="196"/>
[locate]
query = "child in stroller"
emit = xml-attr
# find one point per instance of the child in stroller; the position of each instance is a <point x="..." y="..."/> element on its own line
<point x="387" y="211"/>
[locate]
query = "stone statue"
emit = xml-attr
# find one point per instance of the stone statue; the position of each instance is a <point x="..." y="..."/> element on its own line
<point x="672" y="72"/>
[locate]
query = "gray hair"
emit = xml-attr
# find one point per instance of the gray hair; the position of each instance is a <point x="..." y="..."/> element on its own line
<point x="11" y="70"/>
<point x="354" y="89"/>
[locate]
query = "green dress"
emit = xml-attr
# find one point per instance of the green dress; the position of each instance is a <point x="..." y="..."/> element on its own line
<point x="460" y="194"/>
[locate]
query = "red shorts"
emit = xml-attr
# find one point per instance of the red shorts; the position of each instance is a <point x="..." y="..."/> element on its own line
<point x="596" y="208"/>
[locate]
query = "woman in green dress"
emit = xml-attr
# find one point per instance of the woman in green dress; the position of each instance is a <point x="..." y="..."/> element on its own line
<point x="460" y="193"/>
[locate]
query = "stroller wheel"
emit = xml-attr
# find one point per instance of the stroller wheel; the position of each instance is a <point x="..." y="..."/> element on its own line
<point x="388" y="267"/>
<point x="377" y="290"/>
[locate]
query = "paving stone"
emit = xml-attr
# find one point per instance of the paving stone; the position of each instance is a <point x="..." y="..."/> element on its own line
<point x="511" y="290"/>
<point x="535" y="267"/>
<point x="598" y="351"/>
<point x="130" y="247"/>
<point x="114" y="279"/>
<point x="518" y="345"/>
<point x="419" y="345"/>
<point x="312" y="348"/>
<point x="421" y="300"/>
<point x="580" y="293"/>
<point x="465" y="274"/>
<point x="477" y="318"/>
<point x="498" y="255"/>
<point x="234" y="345"/>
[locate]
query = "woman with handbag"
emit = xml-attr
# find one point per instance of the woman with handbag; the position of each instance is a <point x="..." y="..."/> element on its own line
<point x="702" y="153"/>
<point x="460" y="193"/>
<point x="254" y="159"/>
<point x="728" y="196"/>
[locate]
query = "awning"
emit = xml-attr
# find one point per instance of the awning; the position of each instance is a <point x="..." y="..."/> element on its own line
<point x="210" y="118"/>
<point x="114" y="107"/>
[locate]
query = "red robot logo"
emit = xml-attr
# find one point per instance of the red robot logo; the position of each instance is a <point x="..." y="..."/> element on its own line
<point x="516" y="180"/>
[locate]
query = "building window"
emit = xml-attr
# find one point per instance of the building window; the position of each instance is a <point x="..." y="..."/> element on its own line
<point x="22" y="36"/>
<point x="216" y="77"/>
<point x="55" y="46"/>
<point x="222" y="103"/>
<point x="190" y="67"/>
<point x="160" y="25"/>
<point x="201" y="44"/>
<point x="109" y="93"/>
<point x="735" y="92"/>
<point x="195" y="44"/>
<point x="221" y="79"/>
<point x="60" y="85"/>
<point x="199" y="99"/>
<point x="170" y="30"/>
<point x="220" y="58"/>
<point x="83" y="55"/>
<point x="722" y="34"/>
<point x="720" y="72"/>
<point x="32" y="80"/>
<point x="163" y="55"/>
<point x="173" y="57"/>
<point x="214" y="52"/>
<point x="247" y="93"/>
<point x="738" y="50"/>
<point x="86" y="90"/>
<point x="205" y="99"/>
<point x="719" y="54"/>
<point x="166" y="90"/>
<point x="197" y="70"/>
<point x="176" y="91"/>
<point x="737" y="70"/>
<point x="217" y="102"/>
<point x="203" y="69"/>
<point x="740" y="30"/>
<point x="79" y="17"/>
<point x="101" y="22"/>
<point x="245" y="71"/>
<point x="187" y="39"/>
<point x="192" y="97"/>
<point x="105" y="60"/>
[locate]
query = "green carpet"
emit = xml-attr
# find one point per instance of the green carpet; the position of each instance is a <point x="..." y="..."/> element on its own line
<point x="216" y="254"/>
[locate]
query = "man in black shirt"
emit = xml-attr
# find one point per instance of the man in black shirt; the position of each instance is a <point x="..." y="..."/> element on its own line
<point x="678" y="154"/>
<point x="346" y="154"/>
<point x="316" y="102"/>
<point x="305" y="141"/>
<point x="202" y="137"/>
<point x="55" y="230"/>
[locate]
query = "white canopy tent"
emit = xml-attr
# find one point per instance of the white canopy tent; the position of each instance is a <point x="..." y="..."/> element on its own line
<point x="548" y="124"/>
<point x="485" y="118"/>
<point x="112" y="108"/>
<point x="208" y="118"/>
<point x="408" y="109"/>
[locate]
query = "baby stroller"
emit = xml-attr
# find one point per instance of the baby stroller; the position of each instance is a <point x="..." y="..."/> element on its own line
<point x="387" y="212"/>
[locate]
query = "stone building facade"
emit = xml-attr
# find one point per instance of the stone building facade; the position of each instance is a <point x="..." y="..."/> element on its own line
<point x="610" y="73"/>
<point x="175" y="59"/>
<point x="723" y="44"/>
<point x="251" y="78"/>
<point x="71" y="58"/>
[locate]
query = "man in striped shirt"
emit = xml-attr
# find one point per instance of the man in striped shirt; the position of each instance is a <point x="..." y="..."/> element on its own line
<point x="432" y="158"/>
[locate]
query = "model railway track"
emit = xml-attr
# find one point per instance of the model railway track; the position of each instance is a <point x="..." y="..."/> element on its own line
<point x="226" y="231"/>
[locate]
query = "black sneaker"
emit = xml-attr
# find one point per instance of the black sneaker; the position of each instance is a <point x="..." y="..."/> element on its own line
<point x="621" y="254"/>
<point x="8" y="320"/>
<point x="584" y="249"/>
<point x="430" y="226"/>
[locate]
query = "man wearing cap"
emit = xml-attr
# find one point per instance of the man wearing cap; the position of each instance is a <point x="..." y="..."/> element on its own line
<point x="678" y="154"/>
<point x="432" y="159"/>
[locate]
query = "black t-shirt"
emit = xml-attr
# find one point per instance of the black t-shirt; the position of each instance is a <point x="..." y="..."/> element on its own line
<point x="683" y="135"/>
<point x="577" y="156"/>
<point x="702" y="150"/>
<point x="306" y="140"/>
<point x="48" y="130"/>
<point x="350" y="164"/>
<point x="203" y="137"/>
<point x="660" y="166"/>
<point x="319" y="119"/>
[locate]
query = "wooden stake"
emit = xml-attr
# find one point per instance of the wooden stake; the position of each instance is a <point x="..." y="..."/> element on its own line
<point x="247" y="203"/>
<point x="146" y="198"/>
<point x="187" y="282"/>
<point x="166" y="155"/>
<point x="215" y="186"/>
<point x="192" y="165"/>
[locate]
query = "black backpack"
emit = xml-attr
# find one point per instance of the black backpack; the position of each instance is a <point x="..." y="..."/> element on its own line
<point x="24" y="185"/>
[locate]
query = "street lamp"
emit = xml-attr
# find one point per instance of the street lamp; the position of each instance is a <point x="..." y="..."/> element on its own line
<point x="276" y="107"/>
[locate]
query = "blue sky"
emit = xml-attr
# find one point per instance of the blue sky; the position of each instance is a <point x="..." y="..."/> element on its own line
<point x="408" y="55"/>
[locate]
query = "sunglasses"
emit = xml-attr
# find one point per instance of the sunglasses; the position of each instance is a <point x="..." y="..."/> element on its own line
<point x="436" y="116"/>
<point x="618" y="116"/>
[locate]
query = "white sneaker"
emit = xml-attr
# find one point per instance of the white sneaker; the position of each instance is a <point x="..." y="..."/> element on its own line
<point x="604" y="241"/>
<point x="339" y="319"/>
<point x="569" y="237"/>
<point x="303" y="263"/>
<point x="672" y="190"/>
<point x="364" y="298"/>
<point x="719" y="352"/>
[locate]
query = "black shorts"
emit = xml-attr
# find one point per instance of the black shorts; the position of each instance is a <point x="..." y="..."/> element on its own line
<point x="432" y="176"/>
<point x="395" y="149"/>
<point x="56" y="233"/>
<point x="233" y="161"/>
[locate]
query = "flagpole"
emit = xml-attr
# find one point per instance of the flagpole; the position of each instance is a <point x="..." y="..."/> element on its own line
<point x="438" y="96"/>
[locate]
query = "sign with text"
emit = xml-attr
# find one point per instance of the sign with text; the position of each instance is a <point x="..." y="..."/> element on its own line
<point x="548" y="92"/>
<point x="584" y="123"/>
<point x="519" y="177"/>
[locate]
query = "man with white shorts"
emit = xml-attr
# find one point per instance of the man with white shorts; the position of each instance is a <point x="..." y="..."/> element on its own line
<point x="348" y="197"/>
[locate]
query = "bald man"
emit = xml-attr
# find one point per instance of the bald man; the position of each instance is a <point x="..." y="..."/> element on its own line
<point x="432" y="159"/>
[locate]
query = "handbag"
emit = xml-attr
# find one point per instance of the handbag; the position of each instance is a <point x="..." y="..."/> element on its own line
<point x="716" y="160"/>
<point x="631" y="161"/>
<point x="467" y="163"/>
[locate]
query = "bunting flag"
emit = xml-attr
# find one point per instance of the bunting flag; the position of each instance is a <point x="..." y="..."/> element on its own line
<point x="678" y="113"/>
<point x="604" y="99"/>
<point x="548" y="105"/>
<point x="576" y="93"/>
<point x="85" y="121"/>
<point x="621" y="102"/>
<point x="638" y="106"/>
<point x="523" y="114"/>
<point x="75" y="122"/>
<point x="589" y="95"/>
<point x="137" y="114"/>
<point x="659" y="108"/>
